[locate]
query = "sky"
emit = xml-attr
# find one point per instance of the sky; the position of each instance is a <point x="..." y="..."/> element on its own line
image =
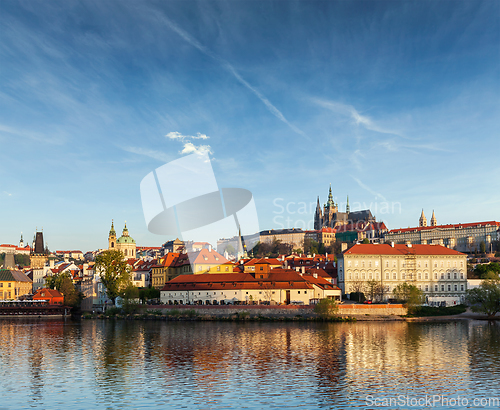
<point x="394" y="103"/>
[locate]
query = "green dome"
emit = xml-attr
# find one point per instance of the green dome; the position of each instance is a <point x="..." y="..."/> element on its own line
<point x="125" y="239"/>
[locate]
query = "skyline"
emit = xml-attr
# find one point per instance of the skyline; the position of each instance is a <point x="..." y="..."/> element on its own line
<point x="391" y="103"/>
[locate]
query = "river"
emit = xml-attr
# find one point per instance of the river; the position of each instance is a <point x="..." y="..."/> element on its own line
<point x="108" y="364"/>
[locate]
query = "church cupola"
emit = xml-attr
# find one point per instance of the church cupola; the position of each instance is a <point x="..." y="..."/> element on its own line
<point x="125" y="230"/>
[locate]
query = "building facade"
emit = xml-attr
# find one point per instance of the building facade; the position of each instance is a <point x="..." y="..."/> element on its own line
<point x="440" y="273"/>
<point x="461" y="237"/>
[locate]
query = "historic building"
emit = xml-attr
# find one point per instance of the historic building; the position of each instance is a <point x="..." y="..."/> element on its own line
<point x="125" y="243"/>
<point x="271" y="286"/>
<point x="293" y="236"/>
<point x="13" y="283"/>
<point x="461" y="237"/>
<point x="331" y="217"/>
<point x="39" y="255"/>
<point x="423" y="220"/>
<point x="441" y="273"/>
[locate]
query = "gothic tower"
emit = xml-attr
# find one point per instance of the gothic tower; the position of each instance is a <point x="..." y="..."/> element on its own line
<point x="318" y="217"/>
<point x="422" y="220"/>
<point x="433" y="219"/>
<point x="112" y="237"/>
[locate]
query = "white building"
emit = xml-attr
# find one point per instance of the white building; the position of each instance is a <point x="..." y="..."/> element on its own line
<point x="440" y="272"/>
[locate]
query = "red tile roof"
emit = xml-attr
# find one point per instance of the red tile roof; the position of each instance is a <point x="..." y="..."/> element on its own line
<point x="451" y="226"/>
<point x="207" y="257"/>
<point x="399" y="249"/>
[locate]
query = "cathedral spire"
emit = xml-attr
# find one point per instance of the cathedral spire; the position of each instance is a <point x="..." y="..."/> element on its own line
<point x="112" y="231"/>
<point x="347" y="209"/>
<point x="433" y="219"/>
<point x="423" y="219"/>
<point x="330" y="197"/>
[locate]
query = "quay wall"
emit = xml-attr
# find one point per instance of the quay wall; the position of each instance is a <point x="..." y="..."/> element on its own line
<point x="282" y="310"/>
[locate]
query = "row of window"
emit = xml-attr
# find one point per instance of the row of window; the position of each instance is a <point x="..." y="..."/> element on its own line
<point x="394" y="264"/>
<point x="405" y="276"/>
<point x="9" y="284"/>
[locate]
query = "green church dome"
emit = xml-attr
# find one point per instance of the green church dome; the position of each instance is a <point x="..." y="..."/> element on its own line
<point x="125" y="239"/>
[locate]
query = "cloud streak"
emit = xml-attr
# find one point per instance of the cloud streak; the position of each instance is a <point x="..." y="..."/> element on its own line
<point x="358" y="119"/>
<point x="225" y="64"/>
<point x="158" y="155"/>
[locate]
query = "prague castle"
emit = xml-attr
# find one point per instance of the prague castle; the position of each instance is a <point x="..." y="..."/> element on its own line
<point x="124" y="243"/>
<point x="331" y="217"/>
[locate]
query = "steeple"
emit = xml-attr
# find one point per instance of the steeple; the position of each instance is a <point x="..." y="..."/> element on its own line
<point x="112" y="237"/>
<point x="423" y="219"/>
<point x="433" y="219"/>
<point x="125" y="230"/>
<point x="112" y="230"/>
<point x="347" y="206"/>
<point x="330" y="197"/>
<point x="318" y="216"/>
<point x="21" y="242"/>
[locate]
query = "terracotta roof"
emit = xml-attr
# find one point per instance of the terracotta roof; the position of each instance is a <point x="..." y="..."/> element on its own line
<point x="51" y="292"/>
<point x="399" y="249"/>
<point x="207" y="257"/>
<point x="451" y="226"/>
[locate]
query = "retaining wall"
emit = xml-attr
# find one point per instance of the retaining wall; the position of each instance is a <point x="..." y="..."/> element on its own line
<point x="283" y="310"/>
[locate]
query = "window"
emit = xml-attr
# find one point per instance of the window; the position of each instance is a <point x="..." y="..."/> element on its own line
<point x="449" y="275"/>
<point x="298" y="292"/>
<point x="199" y="268"/>
<point x="419" y="275"/>
<point x="394" y="264"/>
<point x="403" y="276"/>
<point x="387" y="264"/>
<point x="462" y="287"/>
<point x="455" y="275"/>
<point x="449" y="288"/>
<point x="356" y="264"/>
<point x="10" y="285"/>
<point x="427" y="288"/>
<point x="363" y="264"/>
<point x="442" y="275"/>
<point x="426" y="275"/>
<point x="461" y="276"/>
<point x="442" y="288"/>
<point x="1" y="285"/>
<point x="394" y="275"/>
<point x="456" y="287"/>
<point x="436" y="288"/>
<point x="218" y="268"/>
<point x="387" y="275"/>
<point x="435" y="276"/>
<point x="376" y="264"/>
<point x="349" y="264"/>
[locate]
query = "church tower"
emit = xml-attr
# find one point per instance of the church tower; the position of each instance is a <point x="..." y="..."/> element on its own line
<point x="112" y="237"/>
<point x="126" y="244"/>
<point x="318" y="217"/>
<point x="433" y="219"/>
<point x="21" y="242"/>
<point x="422" y="220"/>
<point x="347" y="210"/>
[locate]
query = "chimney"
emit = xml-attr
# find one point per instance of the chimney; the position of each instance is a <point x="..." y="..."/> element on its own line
<point x="315" y="275"/>
<point x="209" y="248"/>
<point x="408" y="244"/>
<point x="392" y="244"/>
<point x="303" y="269"/>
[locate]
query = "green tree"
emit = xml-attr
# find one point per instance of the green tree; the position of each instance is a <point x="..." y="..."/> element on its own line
<point x="64" y="284"/>
<point x="486" y="297"/>
<point x="230" y="250"/>
<point x="298" y="251"/>
<point x="146" y="294"/>
<point x="114" y="272"/>
<point x="130" y="296"/>
<point x="365" y="241"/>
<point x="482" y="247"/>
<point x="326" y="308"/>
<point x="372" y="289"/>
<point x="482" y="270"/>
<point x="409" y="294"/>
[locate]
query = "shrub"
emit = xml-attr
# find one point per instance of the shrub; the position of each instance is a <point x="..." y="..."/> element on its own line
<point x="326" y="308"/>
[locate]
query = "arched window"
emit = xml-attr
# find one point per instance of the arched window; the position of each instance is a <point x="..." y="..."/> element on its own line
<point x="112" y="244"/>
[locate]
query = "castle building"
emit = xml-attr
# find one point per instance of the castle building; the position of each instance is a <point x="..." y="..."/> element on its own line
<point x="331" y="217"/>
<point x="125" y="243"/>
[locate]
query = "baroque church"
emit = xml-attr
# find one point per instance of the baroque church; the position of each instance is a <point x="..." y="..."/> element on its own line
<point x="124" y="243"/>
<point x="331" y="217"/>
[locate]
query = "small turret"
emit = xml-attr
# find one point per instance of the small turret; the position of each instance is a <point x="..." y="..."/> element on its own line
<point x="423" y="219"/>
<point x="433" y="219"/>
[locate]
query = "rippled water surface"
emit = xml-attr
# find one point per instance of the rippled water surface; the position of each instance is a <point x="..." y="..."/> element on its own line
<point x="206" y="365"/>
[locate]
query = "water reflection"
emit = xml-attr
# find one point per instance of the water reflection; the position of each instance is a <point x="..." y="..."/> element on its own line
<point x="128" y="364"/>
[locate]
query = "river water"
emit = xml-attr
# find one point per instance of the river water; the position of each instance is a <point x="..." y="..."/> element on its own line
<point x="99" y="364"/>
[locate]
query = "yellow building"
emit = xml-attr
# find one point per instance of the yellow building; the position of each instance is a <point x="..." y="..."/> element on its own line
<point x="209" y="261"/>
<point x="169" y="267"/>
<point x="440" y="273"/>
<point x="124" y="243"/>
<point x="13" y="284"/>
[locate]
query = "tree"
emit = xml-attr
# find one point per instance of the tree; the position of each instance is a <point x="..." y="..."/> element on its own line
<point x="365" y="241"/>
<point x="482" y="247"/>
<point x="326" y="308"/>
<point x="486" y="297"/>
<point x="64" y="284"/>
<point x="114" y="272"/>
<point x="130" y="296"/>
<point x="146" y="294"/>
<point x="372" y="289"/>
<point x="482" y="270"/>
<point x="409" y="294"/>
<point x="298" y="251"/>
<point x="230" y="250"/>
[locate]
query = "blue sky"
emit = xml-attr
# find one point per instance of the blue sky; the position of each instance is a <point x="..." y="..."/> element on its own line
<point x="396" y="104"/>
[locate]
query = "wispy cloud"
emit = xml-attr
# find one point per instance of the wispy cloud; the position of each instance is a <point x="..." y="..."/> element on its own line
<point x="158" y="155"/>
<point x="7" y="193"/>
<point x="178" y="136"/>
<point x="225" y="64"/>
<point x="367" y="188"/>
<point x="358" y="119"/>
<point x="190" y="148"/>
